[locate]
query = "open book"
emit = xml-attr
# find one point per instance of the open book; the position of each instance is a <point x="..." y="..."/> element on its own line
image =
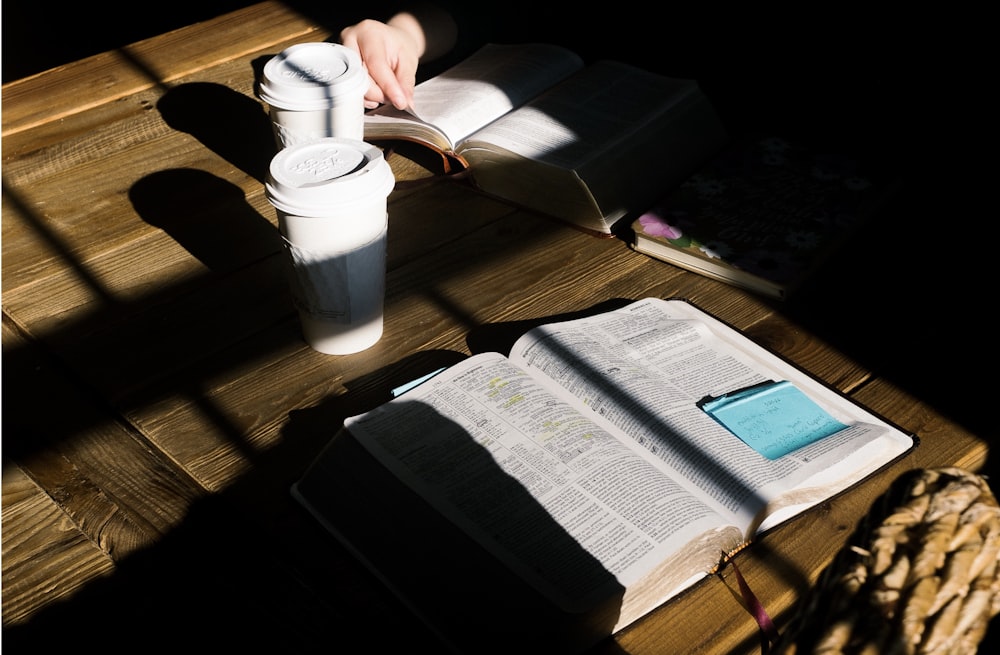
<point x="586" y="145"/>
<point x="580" y="482"/>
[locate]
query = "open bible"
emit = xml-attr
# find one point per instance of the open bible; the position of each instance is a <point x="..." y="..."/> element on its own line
<point x="537" y="128"/>
<point x="579" y="483"/>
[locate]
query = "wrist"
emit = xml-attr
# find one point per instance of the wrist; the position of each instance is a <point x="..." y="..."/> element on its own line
<point x="408" y="24"/>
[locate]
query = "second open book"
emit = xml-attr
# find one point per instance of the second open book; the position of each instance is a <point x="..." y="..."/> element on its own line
<point x="535" y="127"/>
<point x="585" y="466"/>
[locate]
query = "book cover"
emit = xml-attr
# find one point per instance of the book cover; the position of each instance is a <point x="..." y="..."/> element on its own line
<point x="764" y="214"/>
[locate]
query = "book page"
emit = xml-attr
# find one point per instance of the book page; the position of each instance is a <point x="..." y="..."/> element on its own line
<point x="576" y="120"/>
<point x="562" y="501"/>
<point x="481" y="88"/>
<point x="602" y="144"/>
<point x="643" y="369"/>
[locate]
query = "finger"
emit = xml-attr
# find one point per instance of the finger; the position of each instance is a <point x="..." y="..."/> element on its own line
<point x="374" y="95"/>
<point x="406" y="77"/>
<point x="391" y="91"/>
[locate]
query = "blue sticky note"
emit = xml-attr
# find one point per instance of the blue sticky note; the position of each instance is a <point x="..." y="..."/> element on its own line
<point x="773" y="418"/>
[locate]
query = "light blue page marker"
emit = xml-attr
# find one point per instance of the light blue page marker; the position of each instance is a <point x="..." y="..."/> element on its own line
<point x="773" y="418"/>
<point x="400" y="390"/>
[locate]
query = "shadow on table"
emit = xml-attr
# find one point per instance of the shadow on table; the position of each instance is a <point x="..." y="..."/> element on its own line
<point x="230" y="124"/>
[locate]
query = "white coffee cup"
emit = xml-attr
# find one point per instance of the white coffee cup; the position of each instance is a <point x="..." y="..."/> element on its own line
<point x="315" y="90"/>
<point x="331" y="197"/>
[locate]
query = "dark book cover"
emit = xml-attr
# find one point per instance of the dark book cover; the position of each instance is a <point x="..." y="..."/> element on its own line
<point x="764" y="214"/>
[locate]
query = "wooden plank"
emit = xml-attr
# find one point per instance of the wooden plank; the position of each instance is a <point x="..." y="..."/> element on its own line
<point x="201" y="210"/>
<point x="211" y="581"/>
<point x="83" y="454"/>
<point x="201" y="192"/>
<point x="72" y="210"/>
<point x="106" y="529"/>
<point x="944" y="442"/>
<point x="789" y="339"/>
<point x="66" y="90"/>
<point x="121" y="494"/>
<point x="42" y="549"/>
<point x="159" y="309"/>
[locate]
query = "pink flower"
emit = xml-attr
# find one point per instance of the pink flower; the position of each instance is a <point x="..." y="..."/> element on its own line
<point x="654" y="226"/>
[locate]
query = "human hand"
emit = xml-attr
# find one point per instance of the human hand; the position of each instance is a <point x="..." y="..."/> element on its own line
<point x="391" y="52"/>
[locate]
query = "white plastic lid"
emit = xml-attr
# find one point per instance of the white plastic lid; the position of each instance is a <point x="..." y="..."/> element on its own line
<point x="309" y="76"/>
<point x="310" y="178"/>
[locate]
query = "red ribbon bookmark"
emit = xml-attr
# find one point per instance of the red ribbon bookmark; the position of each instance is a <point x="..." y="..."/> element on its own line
<point x="768" y="633"/>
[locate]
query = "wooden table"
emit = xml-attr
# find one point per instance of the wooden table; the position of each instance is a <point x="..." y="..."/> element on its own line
<point x="159" y="401"/>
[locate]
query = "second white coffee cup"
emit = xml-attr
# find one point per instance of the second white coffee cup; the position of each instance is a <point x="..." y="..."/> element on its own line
<point x="331" y="201"/>
<point x="315" y="90"/>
